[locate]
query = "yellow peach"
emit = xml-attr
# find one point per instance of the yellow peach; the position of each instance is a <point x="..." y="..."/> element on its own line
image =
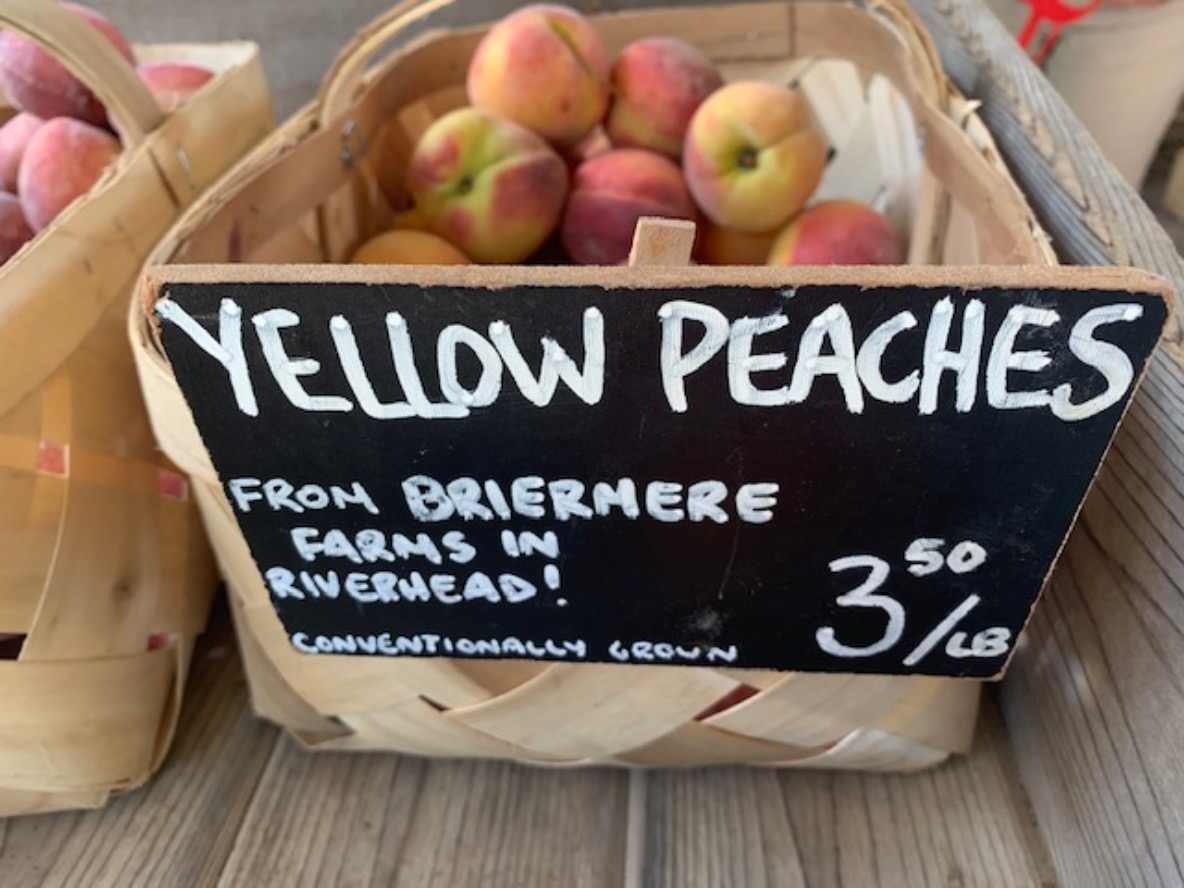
<point x="545" y="67"/>
<point x="753" y="155"/>
<point x="838" y="232"/>
<point x="610" y="192"/>
<point x="405" y="246"/>
<point x="657" y="85"/>
<point x="717" y="245"/>
<point x="488" y="185"/>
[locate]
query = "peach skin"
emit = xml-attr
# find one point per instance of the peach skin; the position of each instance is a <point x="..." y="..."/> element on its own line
<point x="489" y="186"/>
<point x="838" y="232"/>
<point x="753" y="155"/>
<point x="545" y="67"/>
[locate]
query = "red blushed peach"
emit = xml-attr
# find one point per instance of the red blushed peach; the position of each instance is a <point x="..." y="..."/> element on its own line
<point x="406" y="246"/>
<point x="545" y="67"/>
<point x="595" y="143"/>
<point x="62" y="162"/>
<point x="36" y="82"/>
<point x="753" y="155"/>
<point x="838" y="232"/>
<point x="14" y="138"/>
<point x="14" y="229"/>
<point x="172" y="83"/>
<point x="610" y="193"/>
<point x="717" y="245"/>
<point x="489" y="186"/>
<point x="657" y="85"/>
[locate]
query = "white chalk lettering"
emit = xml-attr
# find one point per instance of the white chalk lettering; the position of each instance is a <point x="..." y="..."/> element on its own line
<point x="527" y="496"/>
<point x="665" y="652"/>
<point x="280" y="495"/>
<point x="227" y="349"/>
<point x="427" y="499"/>
<point x="662" y="499"/>
<point x="286" y="370"/>
<point x="387" y="587"/>
<point x="282" y="583"/>
<point x="676" y="365"/>
<point x="431" y="500"/>
<point x="588" y="384"/>
<point x="407" y="373"/>
<point x="1004" y="358"/>
<point x="834" y="325"/>
<point x="546" y="545"/>
<point x="423" y="546"/>
<point x="755" y="502"/>
<point x="964" y="363"/>
<point x="355" y="374"/>
<point x="869" y="362"/>
<point x="1108" y="359"/>
<point x="566" y="499"/>
<point x="460" y="550"/>
<point x="703" y="499"/>
<point x="489" y="381"/>
<point x="742" y="363"/>
<point x="622" y="495"/>
<point x="465" y="494"/>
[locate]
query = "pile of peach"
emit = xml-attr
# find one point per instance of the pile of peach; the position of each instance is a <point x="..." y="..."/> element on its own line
<point x="562" y="148"/>
<point x="61" y="140"/>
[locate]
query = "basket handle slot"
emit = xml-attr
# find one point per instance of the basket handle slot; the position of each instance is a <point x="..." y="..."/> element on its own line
<point x="88" y="55"/>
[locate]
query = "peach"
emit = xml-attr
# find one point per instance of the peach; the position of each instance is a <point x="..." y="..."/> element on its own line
<point x="14" y="229"/>
<point x="14" y="138"/>
<point x="595" y="143"/>
<point x="491" y="187"/>
<point x="410" y="219"/>
<point x="610" y="193"/>
<point x="36" y="82"/>
<point x="838" y="232"/>
<point x="753" y="155"/>
<point x="62" y="162"/>
<point x="545" y="67"/>
<point x="172" y="83"/>
<point x="717" y="245"/>
<point x="657" y="85"/>
<point x="405" y="246"/>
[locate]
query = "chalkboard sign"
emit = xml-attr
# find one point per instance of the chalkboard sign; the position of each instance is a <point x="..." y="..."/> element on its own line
<point x="842" y="471"/>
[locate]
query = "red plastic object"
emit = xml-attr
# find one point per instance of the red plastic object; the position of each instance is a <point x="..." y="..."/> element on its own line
<point x="1054" y="14"/>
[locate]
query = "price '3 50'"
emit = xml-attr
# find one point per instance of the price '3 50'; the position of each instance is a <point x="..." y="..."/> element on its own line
<point x="926" y="557"/>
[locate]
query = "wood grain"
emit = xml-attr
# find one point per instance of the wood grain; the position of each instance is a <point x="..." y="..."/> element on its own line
<point x="1095" y="700"/>
<point x="330" y="819"/>
<point x="964" y="823"/>
<point x="179" y="829"/>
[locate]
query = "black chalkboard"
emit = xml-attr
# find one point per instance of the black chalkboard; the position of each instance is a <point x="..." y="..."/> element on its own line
<point x="849" y="471"/>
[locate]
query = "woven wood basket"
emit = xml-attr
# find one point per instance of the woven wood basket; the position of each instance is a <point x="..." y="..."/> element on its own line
<point x="331" y="175"/>
<point x="102" y="554"/>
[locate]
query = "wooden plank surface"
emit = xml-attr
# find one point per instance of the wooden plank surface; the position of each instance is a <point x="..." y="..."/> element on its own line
<point x="239" y="804"/>
<point x="1095" y="701"/>
<point x="964" y="823"/>
<point x="179" y="829"/>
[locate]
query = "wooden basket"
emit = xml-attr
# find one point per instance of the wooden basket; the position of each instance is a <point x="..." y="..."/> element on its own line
<point x="102" y="553"/>
<point x="331" y="175"/>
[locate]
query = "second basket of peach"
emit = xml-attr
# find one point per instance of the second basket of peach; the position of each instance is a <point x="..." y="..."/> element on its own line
<point x="378" y="168"/>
